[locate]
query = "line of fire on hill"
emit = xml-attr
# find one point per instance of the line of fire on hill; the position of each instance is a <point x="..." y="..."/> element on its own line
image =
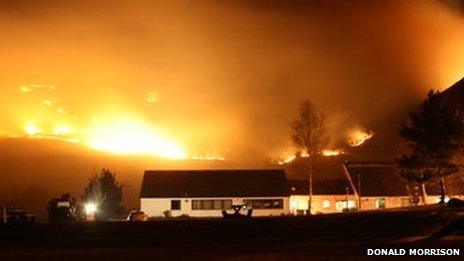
<point x="338" y="186"/>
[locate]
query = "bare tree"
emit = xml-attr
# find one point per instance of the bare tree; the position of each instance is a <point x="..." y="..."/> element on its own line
<point x="309" y="136"/>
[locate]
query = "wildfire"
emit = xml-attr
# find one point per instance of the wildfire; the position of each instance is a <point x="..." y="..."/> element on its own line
<point x="121" y="136"/>
<point x="119" y="130"/>
<point x="207" y="158"/>
<point x="289" y="158"/>
<point x="331" y="153"/>
<point x="60" y="132"/>
<point x="358" y="137"/>
<point x="31" y="129"/>
<point x="132" y="137"/>
<point x="355" y="138"/>
<point x="325" y="153"/>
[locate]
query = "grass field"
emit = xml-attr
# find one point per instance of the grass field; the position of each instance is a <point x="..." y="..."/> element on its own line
<point x="274" y="238"/>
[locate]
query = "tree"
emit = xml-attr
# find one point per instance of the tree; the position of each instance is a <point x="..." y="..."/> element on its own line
<point x="309" y="136"/>
<point x="105" y="191"/>
<point x="434" y="135"/>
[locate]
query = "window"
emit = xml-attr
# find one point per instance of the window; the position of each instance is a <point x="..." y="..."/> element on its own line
<point x="406" y="202"/>
<point x="293" y="204"/>
<point x="325" y="204"/>
<point x="345" y="205"/>
<point x="175" y="204"/>
<point x="211" y="204"/>
<point x="380" y="203"/>
<point x="217" y="204"/>
<point x="265" y="203"/>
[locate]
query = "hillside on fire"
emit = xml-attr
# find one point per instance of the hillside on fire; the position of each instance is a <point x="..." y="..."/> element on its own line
<point x="31" y="180"/>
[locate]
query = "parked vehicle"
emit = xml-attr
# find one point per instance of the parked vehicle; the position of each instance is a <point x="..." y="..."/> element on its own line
<point x="137" y="216"/>
<point x="62" y="209"/>
<point x="455" y="203"/>
<point x="15" y="215"/>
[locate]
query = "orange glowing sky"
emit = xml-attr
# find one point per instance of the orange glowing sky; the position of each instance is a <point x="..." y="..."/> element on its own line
<point x="205" y="79"/>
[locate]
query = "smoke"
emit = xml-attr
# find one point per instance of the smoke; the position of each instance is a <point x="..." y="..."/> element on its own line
<point x="225" y="78"/>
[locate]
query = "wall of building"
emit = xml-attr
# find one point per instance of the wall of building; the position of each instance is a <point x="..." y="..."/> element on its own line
<point x="295" y="205"/>
<point x="321" y="204"/>
<point x="436" y="198"/>
<point x="372" y="203"/>
<point x="156" y="207"/>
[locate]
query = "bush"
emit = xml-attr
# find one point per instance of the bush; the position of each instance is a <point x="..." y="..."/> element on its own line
<point x="455" y="203"/>
<point x="167" y="213"/>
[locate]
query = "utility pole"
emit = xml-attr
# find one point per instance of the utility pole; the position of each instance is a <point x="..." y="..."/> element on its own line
<point x="442" y="190"/>
<point x="359" y="192"/>
<point x="308" y="165"/>
<point x="4" y="215"/>
<point x="310" y="188"/>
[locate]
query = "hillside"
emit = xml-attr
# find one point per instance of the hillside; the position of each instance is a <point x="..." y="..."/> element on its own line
<point x="33" y="171"/>
<point x="455" y="94"/>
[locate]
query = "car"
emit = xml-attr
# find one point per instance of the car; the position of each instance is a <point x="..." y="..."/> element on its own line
<point x="136" y="215"/>
<point x="15" y="215"/>
<point x="455" y="203"/>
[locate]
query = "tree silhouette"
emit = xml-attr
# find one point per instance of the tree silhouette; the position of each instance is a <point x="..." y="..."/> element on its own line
<point x="105" y="191"/>
<point x="309" y="136"/>
<point x="434" y="135"/>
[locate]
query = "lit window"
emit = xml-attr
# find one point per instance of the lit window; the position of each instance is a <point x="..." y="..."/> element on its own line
<point x="345" y="205"/>
<point x="405" y="202"/>
<point x="351" y="204"/>
<point x="380" y="203"/>
<point x="325" y="204"/>
<point x="293" y="204"/>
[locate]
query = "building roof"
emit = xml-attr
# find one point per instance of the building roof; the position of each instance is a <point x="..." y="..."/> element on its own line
<point x="214" y="183"/>
<point x="372" y="179"/>
<point x="327" y="187"/>
<point x="324" y="169"/>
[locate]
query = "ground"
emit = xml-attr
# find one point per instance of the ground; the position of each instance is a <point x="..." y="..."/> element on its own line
<point x="334" y="236"/>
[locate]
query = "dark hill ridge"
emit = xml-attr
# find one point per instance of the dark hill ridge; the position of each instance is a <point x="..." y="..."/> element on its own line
<point x="455" y="94"/>
<point x="32" y="171"/>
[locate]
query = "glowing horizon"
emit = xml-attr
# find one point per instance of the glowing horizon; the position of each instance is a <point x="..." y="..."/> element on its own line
<point x="123" y="137"/>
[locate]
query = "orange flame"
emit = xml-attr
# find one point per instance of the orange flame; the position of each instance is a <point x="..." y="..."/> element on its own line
<point x="357" y="137"/>
<point x="326" y="153"/>
<point x="119" y="130"/>
<point x="331" y="153"/>
<point x="120" y="136"/>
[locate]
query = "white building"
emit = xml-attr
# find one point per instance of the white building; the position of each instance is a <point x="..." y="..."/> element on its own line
<point x="329" y="196"/>
<point x="205" y="193"/>
<point x="376" y="185"/>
